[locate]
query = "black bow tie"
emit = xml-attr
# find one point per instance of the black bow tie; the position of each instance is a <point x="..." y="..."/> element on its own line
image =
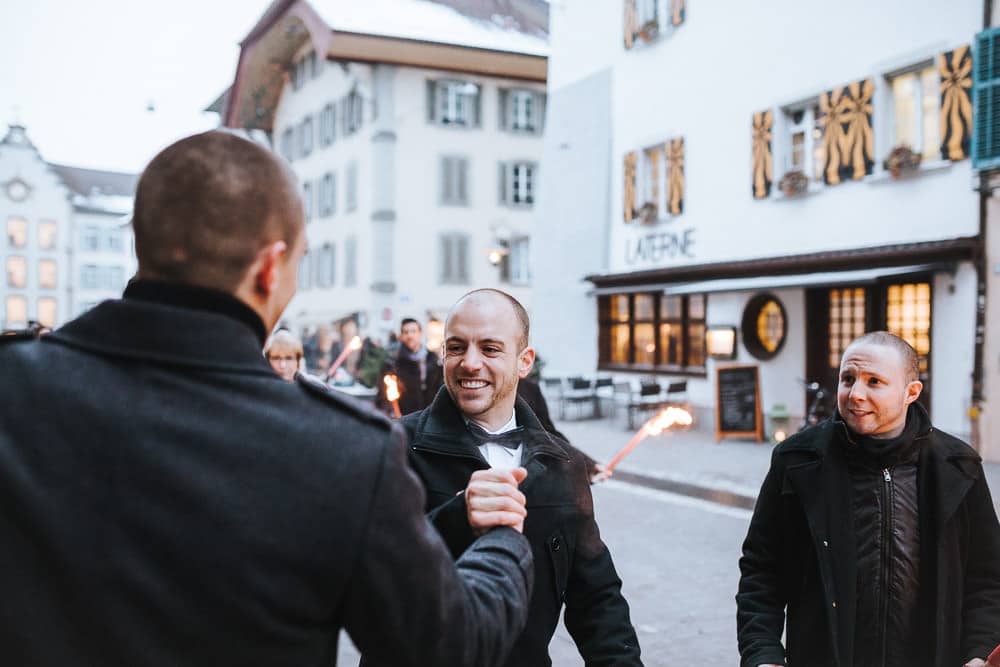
<point x="510" y="439"/>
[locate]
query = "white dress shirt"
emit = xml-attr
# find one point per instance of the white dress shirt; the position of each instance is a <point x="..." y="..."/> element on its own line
<point x="499" y="456"/>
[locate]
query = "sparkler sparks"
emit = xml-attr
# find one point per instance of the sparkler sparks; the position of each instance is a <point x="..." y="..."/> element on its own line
<point x="665" y="419"/>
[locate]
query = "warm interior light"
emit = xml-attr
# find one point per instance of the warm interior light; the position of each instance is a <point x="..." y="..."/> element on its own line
<point x="721" y="342"/>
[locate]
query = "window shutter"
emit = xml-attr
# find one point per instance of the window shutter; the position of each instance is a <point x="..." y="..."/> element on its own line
<point x="502" y="180"/>
<point x="332" y="269"/>
<point x="461" y="172"/>
<point x="628" y="203"/>
<point x="503" y="109"/>
<point x="540" y="99"/>
<point x="986" y="99"/>
<point x="446" y="263"/>
<point x="763" y="168"/>
<point x="431" y="101"/>
<point x="447" y="179"/>
<point x="675" y="203"/>
<point x="629" y="23"/>
<point x="461" y="259"/>
<point x="845" y="116"/>
<point x="477" y="107"/>
<point x="955" y="69"/>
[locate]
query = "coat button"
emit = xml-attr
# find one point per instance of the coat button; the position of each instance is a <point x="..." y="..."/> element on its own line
<point x="826" y="544"/>
<point x="835" y="605"/>
<point x="556" y="544"/>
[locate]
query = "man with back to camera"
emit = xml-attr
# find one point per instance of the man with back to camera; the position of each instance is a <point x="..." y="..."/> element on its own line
<point x="873" y="532"/>
<point x="477" y="442"/>
<point x="417" y="371"/>
<point x="167" y="499"/>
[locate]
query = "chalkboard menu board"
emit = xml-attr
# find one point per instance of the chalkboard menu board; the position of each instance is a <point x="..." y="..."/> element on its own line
<point x="737" y="402"/>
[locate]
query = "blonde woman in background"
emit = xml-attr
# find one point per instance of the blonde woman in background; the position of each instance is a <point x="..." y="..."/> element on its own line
<point x="284" y="352"/>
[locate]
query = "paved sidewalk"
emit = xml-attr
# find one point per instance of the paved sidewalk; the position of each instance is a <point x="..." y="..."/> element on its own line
<point x="691" y="462"/>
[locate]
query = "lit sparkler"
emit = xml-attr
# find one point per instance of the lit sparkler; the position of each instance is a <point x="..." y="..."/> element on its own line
<point x="392" y="393"/>
<point x="666" y="418"/>
<point x="355" y="344"/>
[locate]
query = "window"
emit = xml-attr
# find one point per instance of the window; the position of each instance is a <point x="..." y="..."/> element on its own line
<point x="454" y="259"/>
<point x="520" y="269"/>
<point x="350" y="262"/>
<point x="116" y="277"/>
<point x="91" y="238"/>
<point x="17" y="312"/>
<point x="644" y="21"/>
<point x="847" y="320"/>
<point x="352" y="113"/>
<point x="47" y="274"/>
<point x="908" y="315"/>
<point x="916" y="111"/>
<point x="454" y="181"/>
<point x="521" y="110"/>
<point x="47" y="311"/>
<point x="351" y="200"/>
<point x="47" y="235"/>
<point x="327" y="125"/>
<point x="113" y="240"/>
<point x="305" y="68"/>
<point x="17" y="272"/>
<point x="88" y="276"/>
<point x="803" y="142"/>
<point x="17" y="232"/>
<point x="653" y="330"/>
<point x="764" y="326"/>
<point x="517" y="183"/>
<point x="307" y="200"/>
<point x="306" y="137"/>
<point x="327" y="195"/>
<point x="326" y="269"/>
<point x="288" y="144"/>
<point x="454" y="103"/>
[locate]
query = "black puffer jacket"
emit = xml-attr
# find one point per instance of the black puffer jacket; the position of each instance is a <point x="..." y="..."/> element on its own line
<point x="887" y="533"/>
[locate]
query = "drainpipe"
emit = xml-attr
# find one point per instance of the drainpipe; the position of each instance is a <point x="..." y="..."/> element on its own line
<point x="985" y="192"/>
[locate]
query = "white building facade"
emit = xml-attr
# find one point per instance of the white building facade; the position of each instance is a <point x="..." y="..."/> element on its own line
<point x="786" y="179"/>
<point x="416" y="142"/>
<point x="49" y="213"/>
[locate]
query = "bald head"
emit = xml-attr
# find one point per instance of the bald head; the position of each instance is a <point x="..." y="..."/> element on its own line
<point x="494" y="295"/>
<point x="908" y="358"/>
<point x="207" y="204"/>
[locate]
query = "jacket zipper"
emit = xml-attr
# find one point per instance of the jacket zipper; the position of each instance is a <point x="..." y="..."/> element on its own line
<point x="886" y="556"/>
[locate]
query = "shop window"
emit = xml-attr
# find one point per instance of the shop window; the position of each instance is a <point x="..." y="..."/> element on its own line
<point x="764" y="326"/>
<point x="653" y="331"/>
<point x="847" y="320"/>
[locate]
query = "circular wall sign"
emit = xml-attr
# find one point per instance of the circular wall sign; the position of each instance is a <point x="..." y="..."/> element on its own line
<point x="764" y="326"/>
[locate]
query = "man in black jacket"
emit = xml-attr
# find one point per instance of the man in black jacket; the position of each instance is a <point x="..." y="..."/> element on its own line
<point x="167" y="499"/>
<point x="417" y="371"/>
<point x="477" y="439"/>
<point x="873" y="532"/>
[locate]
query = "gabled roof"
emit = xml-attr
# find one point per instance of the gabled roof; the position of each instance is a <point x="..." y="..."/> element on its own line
<point x="98" y="191"/>
<point x="507" y="38"/>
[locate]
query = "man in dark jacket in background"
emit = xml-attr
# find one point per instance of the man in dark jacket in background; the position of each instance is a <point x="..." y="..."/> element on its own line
<point x="167" y="499"/>
<point x="477" y="437"/>
<point x="417" y="371"/>
<point x="873" y="532"/>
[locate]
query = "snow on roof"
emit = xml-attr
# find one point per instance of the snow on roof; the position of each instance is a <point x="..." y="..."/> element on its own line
<point x="98" y="190"/>
<point x="430" y="22"/>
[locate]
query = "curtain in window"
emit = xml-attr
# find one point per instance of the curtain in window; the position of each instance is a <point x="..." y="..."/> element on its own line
<point x="955" y="68"/>
<point x="629" y="192"/>
<point x="845" y="119"/>
<point x="630" y="23"/>
<point x="675" y="171"/>
<point x="763" y="168"/>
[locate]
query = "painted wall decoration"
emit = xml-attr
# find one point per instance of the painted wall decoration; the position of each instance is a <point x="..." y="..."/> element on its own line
<point x="629" y="186"/>
<point x="763" y="164"/>
<point x="630" y="23"/>
<point x="955" y="68"/>
<point x="677" y="12"/>
<point x="845" y="119"/>
<point x="675" y="176"/>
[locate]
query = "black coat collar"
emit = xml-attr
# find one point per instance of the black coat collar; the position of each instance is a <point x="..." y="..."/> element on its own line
<point x="441" y="427"/>
<point x="161" y="333"/>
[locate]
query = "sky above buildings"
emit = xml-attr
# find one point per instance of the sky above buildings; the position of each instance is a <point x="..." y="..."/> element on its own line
<point x="108" y="83"/>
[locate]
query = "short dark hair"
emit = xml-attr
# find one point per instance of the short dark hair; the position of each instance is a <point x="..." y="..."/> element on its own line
<point x="409" y="320"/>
<point x="207" y="204"/>
<point x="911" y="360"/>
<point x="519" y="312"/>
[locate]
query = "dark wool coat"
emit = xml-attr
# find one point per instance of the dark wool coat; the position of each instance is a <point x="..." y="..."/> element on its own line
<point x="572" y="565"/>
<point x="166" y="499"/>
<point x="799" y="556"/>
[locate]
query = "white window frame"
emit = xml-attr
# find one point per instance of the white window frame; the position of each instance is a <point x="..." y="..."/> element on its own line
<point x="520" y="183"/>
<point x="522" y="110"/>
<point x="328" y="125"/>
<point x="288" y="144"/>
<point x="90" y="238"/>
<point x="456" y="103"/>
<point x="520" y="260"/>
<point x="53" y="227"/>
<point x="89" y="276"/>
<point x="783" y="139"/>
<point x="351" y="197"/>
<point x="22" y="232"/>
<point x="916" y="70"/>
<point x="328" y="195"/>
<point x="306" y="136"/>
<point x="9" y="265"/>
<point x="51" y="271"/>
<point x="307" y="200"/>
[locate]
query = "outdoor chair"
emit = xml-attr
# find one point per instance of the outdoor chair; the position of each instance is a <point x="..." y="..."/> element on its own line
<point x="580" y="391"/>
